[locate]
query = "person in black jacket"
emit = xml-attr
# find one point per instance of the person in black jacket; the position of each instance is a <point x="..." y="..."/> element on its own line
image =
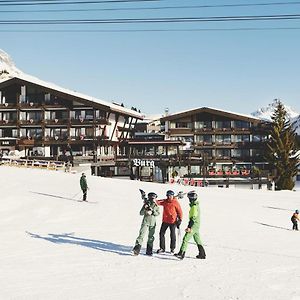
<point x="295" y="218"/>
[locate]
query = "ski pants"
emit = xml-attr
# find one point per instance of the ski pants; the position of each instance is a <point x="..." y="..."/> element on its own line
<point x="143" y="230"/>
<point x="295" y="224"/>
<point x="163" y="229"/>
<point x="188" y="235"/>
<point x="84" y="195"/>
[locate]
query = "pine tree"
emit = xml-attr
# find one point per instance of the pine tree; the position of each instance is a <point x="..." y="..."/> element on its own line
<point x="282" y="149"/>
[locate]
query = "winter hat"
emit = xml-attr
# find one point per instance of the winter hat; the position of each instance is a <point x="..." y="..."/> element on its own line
<point x="297" y="211"/>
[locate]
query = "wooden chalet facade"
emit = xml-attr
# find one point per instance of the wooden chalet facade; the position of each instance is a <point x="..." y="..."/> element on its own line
<point x="217" y="142"/>
<point x="41" y="119"/>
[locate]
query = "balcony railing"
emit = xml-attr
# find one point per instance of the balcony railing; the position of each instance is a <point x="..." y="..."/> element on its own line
<point x="8" y="106"/>
<point x="56" y="121"/>
<point x="8" y="122"/>
<point x="31" y="122"/>
<point x="30" y="105"/>
<point x="81" y="121"/>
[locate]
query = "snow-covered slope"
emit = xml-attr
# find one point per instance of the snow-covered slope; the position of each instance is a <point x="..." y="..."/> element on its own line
<point x="7" y="67"/>
<point x="53" y="247"/>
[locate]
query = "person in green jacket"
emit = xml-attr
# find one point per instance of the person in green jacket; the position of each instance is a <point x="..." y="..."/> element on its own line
<point x="83" y="186"/>
<point x="150" y="211"/>
<point x="192" y="229"/>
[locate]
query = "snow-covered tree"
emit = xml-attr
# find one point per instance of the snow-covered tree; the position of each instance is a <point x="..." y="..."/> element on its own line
<point x="282" y="150"/>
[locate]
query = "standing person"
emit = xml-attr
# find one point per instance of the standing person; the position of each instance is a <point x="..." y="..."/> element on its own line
<point x="192" y="229"/>
<point x="172" y="216"/>
<point x="149" y="210"/>
<point x="295" y="218"/>
<point x="84" y="186"/>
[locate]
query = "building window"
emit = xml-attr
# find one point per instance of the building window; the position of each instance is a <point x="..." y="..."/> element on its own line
<point x="241" y="124"/>
<point x="223" y="139"/>
<point x="222" y="124"/>
<point x="203" y="125"/>
<point x="239" y="138"/>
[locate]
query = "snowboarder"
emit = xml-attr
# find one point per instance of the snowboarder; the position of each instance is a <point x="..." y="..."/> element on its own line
<point x="192" y="229"/>
<point x="84" y="186"/>
<point x="295" y="218"/>
<point x="149" y="210"/>
<point x="172" y="216"/>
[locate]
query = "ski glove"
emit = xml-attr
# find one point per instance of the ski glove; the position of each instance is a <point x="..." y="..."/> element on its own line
<point x="178" y="223"/>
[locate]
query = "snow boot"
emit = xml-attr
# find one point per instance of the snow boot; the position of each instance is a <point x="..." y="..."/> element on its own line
<point x="136" y="250"/>
<point x="160" y="251"/>
<point x="201" y="254"/>
<point x="149" y="250"/>
<point x="180" y="255"/>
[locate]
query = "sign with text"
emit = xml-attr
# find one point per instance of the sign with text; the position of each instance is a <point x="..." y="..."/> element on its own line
<point x="143" y="163"/>
<point x="7" y="142"/>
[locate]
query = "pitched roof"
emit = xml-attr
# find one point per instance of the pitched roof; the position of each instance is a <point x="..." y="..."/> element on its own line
<point x="31" y="79"/>
<point x="209" y="110"/>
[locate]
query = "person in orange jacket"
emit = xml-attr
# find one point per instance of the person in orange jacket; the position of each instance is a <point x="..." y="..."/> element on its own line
<point x="295" y="218"/>
<point x="172" y="216"/>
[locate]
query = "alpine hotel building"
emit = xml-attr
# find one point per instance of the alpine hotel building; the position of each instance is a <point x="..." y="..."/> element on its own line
<point x="42" y="119"/>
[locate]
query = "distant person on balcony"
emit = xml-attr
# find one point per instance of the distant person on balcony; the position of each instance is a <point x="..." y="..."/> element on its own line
<point x="295" y="218"/>
<point x="172" y="217"/>
<point x="84" y="186"/>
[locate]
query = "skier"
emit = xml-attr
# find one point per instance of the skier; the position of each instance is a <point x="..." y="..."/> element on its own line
<point x="295" y="218"/>
<point x="84" y="186"/>
<point x="193" y="228"/>
<point x="172" y="216"/>
<point x="149" y="210"/>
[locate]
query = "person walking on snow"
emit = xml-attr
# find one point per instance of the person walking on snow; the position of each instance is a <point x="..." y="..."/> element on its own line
<point x="149" y="210"/>
<point x="172" y="216"/>
<point x="192" y="229"/>
<point x="295" y="218"/>
<point x="83" y="186"/>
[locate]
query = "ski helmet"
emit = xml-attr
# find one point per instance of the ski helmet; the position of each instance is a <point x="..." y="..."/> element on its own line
<point x="297" y="211"/>
<point x="152" y="196"/>
<point x="192" y="196"/>
<point x="170" y="193"/>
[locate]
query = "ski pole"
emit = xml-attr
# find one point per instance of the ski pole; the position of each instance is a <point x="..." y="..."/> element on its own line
<point x="75" y="195"/>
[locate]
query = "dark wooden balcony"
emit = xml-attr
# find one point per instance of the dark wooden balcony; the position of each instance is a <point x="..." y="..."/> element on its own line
<point x="8" y="122"/>
<point x="30" y="122"/>
<point x="57" y="122"/>
<point x="82" y="121"/>
<point x="8" y="106"/>
<point x="30" y="106"/>
<point x="180" y="130"/>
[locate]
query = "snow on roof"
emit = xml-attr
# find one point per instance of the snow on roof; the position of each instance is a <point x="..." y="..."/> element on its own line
<point x="211" y="108"/>
<point x="112" y="106"/>
<point x="8" y="71"/>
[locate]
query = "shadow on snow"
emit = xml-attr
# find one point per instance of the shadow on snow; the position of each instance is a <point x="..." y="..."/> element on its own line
<point x="69" y="238"/>
<point x="56" y="196"/>
<point x="268" y="225"/>
<point x="279" y="208"/>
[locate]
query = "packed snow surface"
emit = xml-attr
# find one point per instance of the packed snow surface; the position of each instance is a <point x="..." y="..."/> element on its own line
<point x="54" y="247"/>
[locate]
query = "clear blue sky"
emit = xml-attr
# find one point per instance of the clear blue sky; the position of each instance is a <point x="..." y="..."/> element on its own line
<point x="239" y="70"/>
